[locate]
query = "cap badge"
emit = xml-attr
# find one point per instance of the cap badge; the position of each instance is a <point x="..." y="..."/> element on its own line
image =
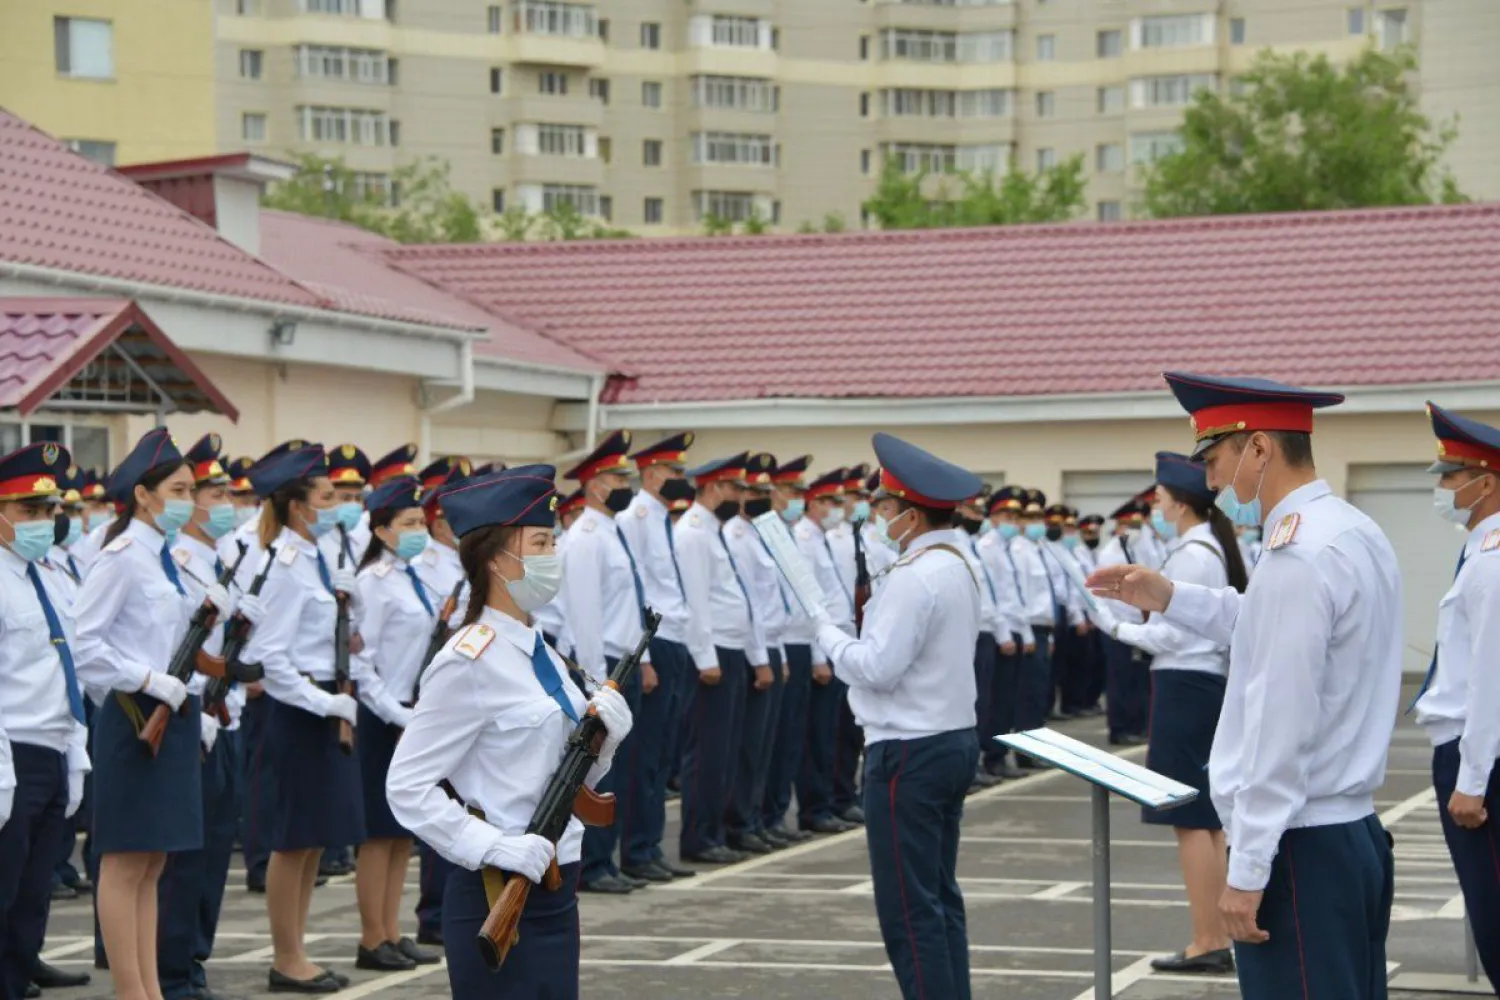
<point x="44" y="484"/>
<point x="216" y="443"/>
<point x="347" y="451"/>
<point x="50" y="453"/>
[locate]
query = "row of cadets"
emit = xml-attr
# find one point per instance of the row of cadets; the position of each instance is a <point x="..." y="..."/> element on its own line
<point x="823" y="512"/>
<point x="649" y="531"/>
<point x="745" y="823"/>
<point x="99" y="512"/>
<point x="1084" y="545"/>
<point x="727" y="644"/>
<point x="397" y="614"/>
<point x="849" y="739"/>
<point x="1127" y="669"/>
<point x="1070" y="650"/>
<point x="1046" y="613"/>
<point x="1017" y="666"/>
<point x="967" y="521"/>
<point x="879" y="551"/>
<point x="788" y="499"/>
<point x="605" y="601"/>
<point x="43" y="739"/>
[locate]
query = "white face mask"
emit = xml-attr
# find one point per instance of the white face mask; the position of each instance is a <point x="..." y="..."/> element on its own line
<point x="1445" y="502"/>
<point x="832" y="519"/>
<point x="541" y="583"/>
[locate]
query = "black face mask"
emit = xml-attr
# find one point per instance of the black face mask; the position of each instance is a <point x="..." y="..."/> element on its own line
<point x="1054" y="533"/>
<point x="1092" y="543"/>
<point x="969" y="524"/>
<point x="727" y="510"/>
<point x="60" y="529"/>
<point x="755" y="508"/>
<point x="676" y="489"/>
<point x="619" y="499"/>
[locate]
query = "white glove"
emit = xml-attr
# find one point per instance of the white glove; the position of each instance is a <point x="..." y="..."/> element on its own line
<point x="219" y="597"/>
<point x="403" y="717"/>
<point x="166" y="688"/>
<point x="75" y="793"/>
<point x="7" y="799"/>
<point x="614" y="712"/>
<point x="251" y="607"/>
<point x="527" y="855"/>
<point x="342" y="706"/>
<point x="209" y="731"/>
<point x="819" y="615"/>
<point x="343" y="580"/>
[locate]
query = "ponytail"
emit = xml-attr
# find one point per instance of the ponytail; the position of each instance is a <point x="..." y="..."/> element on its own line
<point x="476" y="551"/>
<point x="277" y="511"/>
<point x="377" y="548"/>
<point x="150" y="479"/>
<point x="1223" y="532"/>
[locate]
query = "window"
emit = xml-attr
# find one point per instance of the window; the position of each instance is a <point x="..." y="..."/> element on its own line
<point x="983" y="103"/>
<point x="733" y="149"/>
<point x="584" y="199"/>
<point x="775" y="213"/>
<point x="652" y="211"/>
<point x="1109" y="211"/>
<point x="1109" y="44"/>
<point x="1390" y="26"/>
<point x="731" y="206"/>
<point x="373" y="187"/>
<point x="1168" y="31"/>
<point x="493" y="20"/>
<point x="1046" y="103"/>
<point x="247" y="8"/>
<point x="864" y="161"/>
<point x="599" y="89"/>
<point x="1046" y="158"/>
<point x="1356" y="20"/>
<point x="337" y="63"/>
<point x="394" y="129"/>
<point x="1148" y="147"/>
<point x="919" y="46"/>
<point x="864" y="47"/>
<point x="548" y="17"/>
<point x="735" y="32"/>
<point x="553" y="83"/>
<point x="84" y="48"/>
<point x="497" y="200"/>
<point x="497" y="80"/>
<point x="349" y="8"/>
<point x="651" y="94"/>
<point x="864" y="105"/>
<point x="740" y="93"/>
<point x="93" y="149"/>
<point x="1169" y="91"/>
<point x="603" y="29"/>
<point x="606" y="148"/>
<point x="253" y="127"/>
<point x="1046" y="48"/>
<point x="1111" y="100"/>
<point x="1109" y="158"/>
<point x="250" y="63"/>
<point x="560" y="140"/>
<point x="497" y="141"/>
<point x="650" y="35"/>
<point x="345" y="125"/>
<point x="607" y="207"/>
<point x="1236" y="31"/>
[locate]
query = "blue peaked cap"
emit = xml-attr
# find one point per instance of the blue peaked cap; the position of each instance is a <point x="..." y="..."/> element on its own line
<point x="154" y="448"/>
<point x="523" y="497"/>
<point x="919" y="476"/>
<point x="272" y="473"/>
<point x="1184" y="474"/>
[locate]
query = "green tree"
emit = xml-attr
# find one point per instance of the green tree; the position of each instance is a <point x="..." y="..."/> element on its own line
<point x="427" y="211"/>
<point x="1299" y="133"/>
<point x="717" y="225"/>
<point x="1051" y="195"/>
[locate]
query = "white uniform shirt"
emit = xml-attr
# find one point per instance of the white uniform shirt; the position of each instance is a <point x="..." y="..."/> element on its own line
<point x="1053" y="557"/>
<point x="86" y="550"/>
<point x="841" y="546"/>
<point x="34" y="693"/>
<point x="598" y="587"/>
<point x="646" y="525"/>
<point x="394" y="623"/>
<point x="442" y="572"/>
<point x="716" y="601"/>
<point x="990" y="621"/>
<point x="838" y="602"/>
<point x="195" y="562"/>
<point x="1463" y="700"/>
<point x="487" y="726"/>
<point x="771" y="605"/>
<point x="1176" y="648"/>
<point x="1150" y="550"/>
<point x="1314" y="678"/>
<point x="996" y="554"/>
<point x="911" y="674"/>
<point x="1041" y="602"/>
<point x="228" y="550"/>
<point x="878" y="555"/>
<point x="1119" y="551"/>
<point x="129" y="617"/>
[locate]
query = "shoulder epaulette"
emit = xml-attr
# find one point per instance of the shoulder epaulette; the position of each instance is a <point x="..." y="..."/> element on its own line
<point x="737" y="529"/>
<point x="640" y="510"/>
<point x="1284" y="533"/>
<point x="382" y="569"/>
<point x="1491" y="541"/>
<point x="287" y="555"/>
<point x="589" y="524"/>
<point x="695" y="519"/>
<point x="181" y="556"/>
<point x="119" y="544"/>
<point x="802" y="530"/>
<point x="473" y="641"/>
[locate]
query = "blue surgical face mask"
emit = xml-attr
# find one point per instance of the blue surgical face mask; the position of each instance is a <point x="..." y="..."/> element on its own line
<point x="862" y="510"/>
<point x="1070" y="541"/>
<point x="349" y="515"/>
<point x="75" y="531"/>
<point x="1008" y="530"/>
<point x="985" y="527"/>
<point x="1036" y="532"/>
<point x="883" y="533"/>
<point x="221" y="520"/>
<point x="1166" y="529"/>
<point x="174" y="515"/>
<point x="1228" y="501"/>
<point x="99" y="519"/>
<point x="326" y="519"/>
<point x="410" y="544"/>
<point x="244" y="515"/>
<point x="795" y="508"/>
<point x="33" y="538"/>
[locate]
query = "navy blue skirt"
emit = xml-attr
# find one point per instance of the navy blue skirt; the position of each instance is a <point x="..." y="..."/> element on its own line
<point x="543" y="963"/>
<point x="375" y="741"/>
<point x="1185" y="708"/>
<point x="145" y="803"/>
<point x="319" y="801"/>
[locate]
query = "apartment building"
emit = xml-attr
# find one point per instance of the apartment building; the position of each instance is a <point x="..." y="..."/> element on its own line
<point x="654" y="114"/>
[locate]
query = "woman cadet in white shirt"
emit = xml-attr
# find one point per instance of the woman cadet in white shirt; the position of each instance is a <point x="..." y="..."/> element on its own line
<point x="1188" y="677"/>
<point x="496" y="711"/>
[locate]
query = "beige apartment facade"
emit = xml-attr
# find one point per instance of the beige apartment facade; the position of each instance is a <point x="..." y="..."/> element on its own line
<point x="656" y="113"/>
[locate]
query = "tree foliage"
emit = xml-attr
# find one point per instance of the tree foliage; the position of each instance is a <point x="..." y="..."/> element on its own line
<point x="427" y="209"/>
<point x="1301" y="134"/>
<point x="1051" y="195"/>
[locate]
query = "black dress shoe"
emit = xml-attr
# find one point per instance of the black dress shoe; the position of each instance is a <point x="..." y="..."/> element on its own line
<point x="608" y="885"/>
<point x="854" y="814"/>
<point x="317" y="984"/>
<point x="828" y="824"/>
<point x="255" y="885"/>
<point x="749" y="843"/>
<point x="101" y="962"/>
<point x="383" y="958"/>
<point x="61" y="892"/>
<point x="318" y="882"/>
<point x="789" y="835"/>
<point x="336" y="977"/>
<point x="663" y="865"/>
<point x="50" y="977"/>
<point x="33" y="991"/>
<point x="632" y="881"/>
<point x="1031" y="764"/>
<point x="333" y="869"/>
<point x="81" y="884"/>
<point x="1003" y="769"/>
<point x="432" y="937"/>
<point x="718" y="855"/>
<point x="647" y="873"/>
<point x="985" y="779"/>
<point x="1211" y="963"/>
<point x="777" y="839"/>
<point x="1128" y="740"/>
<point x="1060" y="716"/>
<point x="422" y="956"/>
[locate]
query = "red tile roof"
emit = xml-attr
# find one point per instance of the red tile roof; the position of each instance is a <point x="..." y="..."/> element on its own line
<point x="1337" y="298"/>
<point x="46" y="343"/>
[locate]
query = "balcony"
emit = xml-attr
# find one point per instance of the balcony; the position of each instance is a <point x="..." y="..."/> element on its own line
<point x="726" y="60"/>
<point x="557" y="170"/>
<point x="910" y="15"/>
<point x="557" y="50"/>
<point x="570" y="110"/>
<point x="949" y="131"/>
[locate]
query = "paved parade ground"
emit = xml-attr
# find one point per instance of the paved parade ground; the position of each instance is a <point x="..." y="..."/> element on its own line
<point x="801" y="923"/>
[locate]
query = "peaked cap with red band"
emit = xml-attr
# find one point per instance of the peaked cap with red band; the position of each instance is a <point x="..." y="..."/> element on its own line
<point x="854" y="478"/>
<point x="1224" y="406"/>
<point x="608" y="456"/>
<point x="1011" y="498"/>
<point x="829" y="484"/>
<point x="239" y="475"/>
<point x="397" y="463"/>
<point x="271" y="474"/>
<point x="670" y="451"/>
<point x="348" y="466"/>
<point x="1463" y="443"/>
<point x="910" y="473"/>
<point x="791" y="473"/>
<point x="573" y="501"/>
<point x="35" y="472"/>
<point x="731" y="469"/>
<point x="760" y="471"/>
<point x="206" y="458"/>
<point x="441" y="471"/>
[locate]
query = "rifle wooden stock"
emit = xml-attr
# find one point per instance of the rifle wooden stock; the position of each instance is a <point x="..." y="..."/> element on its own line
<point x="208" y="665"/>
<point x="861" y="577"/>
<point x="565" y="796"/>
<point x="341" y="652"/>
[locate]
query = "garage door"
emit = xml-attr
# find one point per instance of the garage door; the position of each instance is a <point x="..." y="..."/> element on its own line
<point x="1103" y="492"/>
<point x="1399" y="499"/>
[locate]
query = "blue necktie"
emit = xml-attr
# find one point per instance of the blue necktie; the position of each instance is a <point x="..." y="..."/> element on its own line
<point x="73" y="569"/>
<point x="1057" y="609"/>
<point x="635" y="576"/>
<point x="416" y="582"/>
<point x="784" y="602"/>
<point x="59" y="642"/>
<point x="218" y="567"/>
<point x="550" y="680"/>
<point x="170" y="568"/>
<point x="672" y="548"/>
<point x="323" y="572"/>
<point x="1014" y="575"/>
<point x="1463" y="554"/>
<point x="737" y="578"/>
<point x="989" y="581"/>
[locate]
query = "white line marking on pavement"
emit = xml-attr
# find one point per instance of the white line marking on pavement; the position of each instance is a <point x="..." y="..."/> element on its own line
<point x="386" y="982"/>
<point x="702" y="951"/>
<point x="1058" y="891"/>
<point x="1122" y="980"/>
<point x="864" y="887"/>
<point x="70" y="948"/>
<point x="1066" y="842"/>
<point x="883" y="969"/>
<point x="1421" y="800"/>
<point x="1453" y="909"/>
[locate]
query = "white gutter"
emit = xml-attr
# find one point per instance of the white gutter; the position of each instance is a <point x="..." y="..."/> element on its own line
<point x="464" y="397"/>
<point x="596" y="387"/>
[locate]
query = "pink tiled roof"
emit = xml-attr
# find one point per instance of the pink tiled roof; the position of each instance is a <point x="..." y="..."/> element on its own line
<point x="348" y="267"/>
<point x="1337" y="298"/>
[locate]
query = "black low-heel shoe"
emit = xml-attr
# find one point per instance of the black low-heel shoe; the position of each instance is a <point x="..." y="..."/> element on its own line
<point x="286" y="984"/>
<point x="383" y="958"/>
<point x="1210" y="963"/>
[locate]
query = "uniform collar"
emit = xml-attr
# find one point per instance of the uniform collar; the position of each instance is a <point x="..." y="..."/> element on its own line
<point x="652" y="504"/>
<point x="1202" y="530"/>
<point x="930" y="539"/>
<point x="394" y="560"/>
<point x="513" y="631"/>
<point x="145" y="534"/>
<point x="816" y="526"/>
<point x="1472" y="543"/>
<point x="705" y="512"/>
<point x="590" y="512"/>
<point x="195" y="547"/>
<point x="12" y="562"/>
<point x="296" y="541"/>
<point x="1297" y="499"/>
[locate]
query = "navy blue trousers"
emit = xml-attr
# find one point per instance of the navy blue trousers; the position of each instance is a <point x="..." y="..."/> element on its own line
<point x="1002" y="707"/>
<point x="1094" y="676"/>
<point x="191" y="890"/>
<point x="28" y="855"/>
<point x="599" y="842"/>
<point x="914" y="804"/>
<point x="1070" y="669"/>
<point x="1128" y="688"/>
<point x="1034" y="683"/>
<point x="849" y="744"/>
<point x="651" y="738"/>
<point x="745" y="813"/>
<point x="687" y="683"/>
<point x="1327" y="908"/>
<point x="257" y="789"/>
<point x="815" y="793"/>
<point x="432" y="879"/>
<point x="1476" y="857"/>
<point x="791" y="735"/>
<point x="541" y="965"/>
<point x="985" y="655"/>
<point x="711" y="753"/>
